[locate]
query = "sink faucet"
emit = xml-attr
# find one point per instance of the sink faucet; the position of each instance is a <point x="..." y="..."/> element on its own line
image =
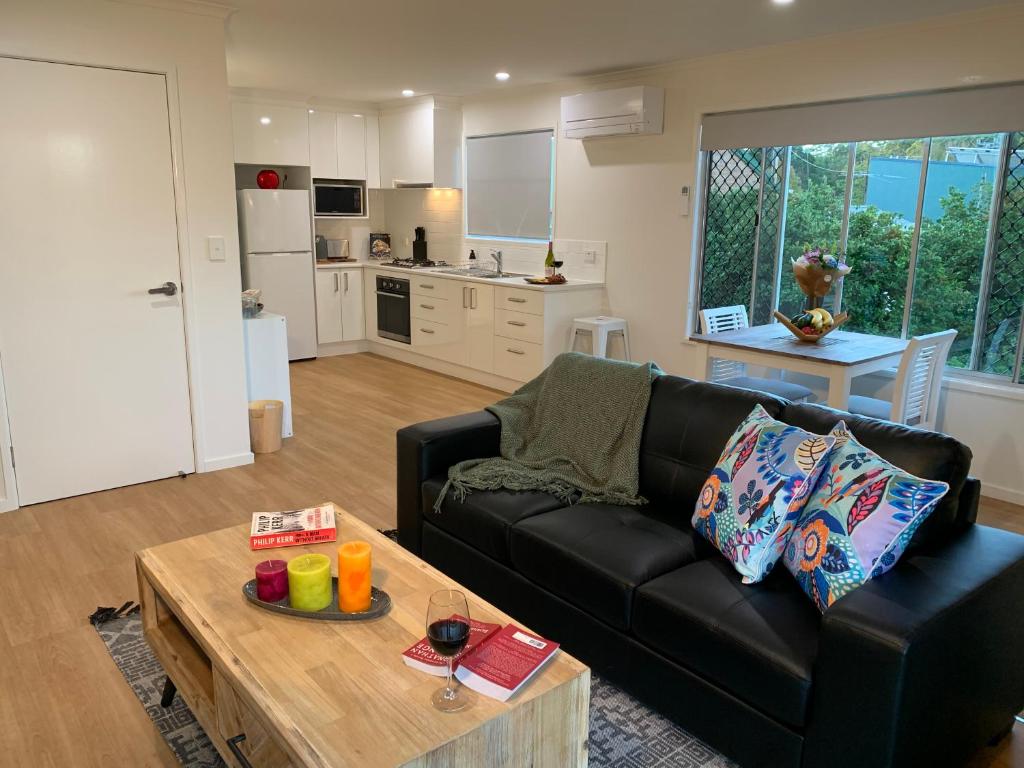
<point x="496" y="255"/>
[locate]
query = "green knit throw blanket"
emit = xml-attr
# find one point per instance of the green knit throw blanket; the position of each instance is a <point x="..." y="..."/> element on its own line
<point x="575" y="429"/>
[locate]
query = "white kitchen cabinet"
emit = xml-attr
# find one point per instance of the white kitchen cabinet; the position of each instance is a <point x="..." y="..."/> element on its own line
<point x="479" y="321"/>
<point x="352" y="305"/>
<point x="337" y="145"/>
<point x="351" y="141"/>
<point x="339" y="305"/>
<point x="323" y="145"/>
<point x="421" y="144"/>
<point x="270" y="134"/>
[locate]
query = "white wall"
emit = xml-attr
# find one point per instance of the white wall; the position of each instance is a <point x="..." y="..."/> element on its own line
<point x="191" y="45"/>
<point x="626" y="190"/>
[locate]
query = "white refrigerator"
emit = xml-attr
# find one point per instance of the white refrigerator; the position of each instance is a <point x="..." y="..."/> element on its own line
<point x="277" y="257"/>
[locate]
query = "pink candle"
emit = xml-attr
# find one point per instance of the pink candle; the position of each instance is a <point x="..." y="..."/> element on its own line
<point x="272" y="580"/>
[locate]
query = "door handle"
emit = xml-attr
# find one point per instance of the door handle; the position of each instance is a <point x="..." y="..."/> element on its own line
<point x="167" y="289"/>
<point x="346" y="282"/>
<point x="472" y="298"/>
<point x="515" y="351"/>
<point x="233" y="743"/>
<point x="516" y="301"/>
<point x="465" y="301"/>
<point x="335" y="282"/>
<point x="426" y="330"/>
<point x="426" y="306"/>
<point x="426" y="285"/>
<point x="517" y="323"/>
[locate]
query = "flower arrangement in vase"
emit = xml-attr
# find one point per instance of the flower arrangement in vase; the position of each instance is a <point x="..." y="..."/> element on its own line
<point x="817" y="272"/>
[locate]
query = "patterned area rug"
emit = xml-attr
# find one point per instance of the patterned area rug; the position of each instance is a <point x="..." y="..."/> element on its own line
<point x="623" y="732"/>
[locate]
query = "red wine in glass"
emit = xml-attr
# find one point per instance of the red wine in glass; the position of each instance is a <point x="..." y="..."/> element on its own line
<point x="448" y="636"/>
<point x="448" y="633"/>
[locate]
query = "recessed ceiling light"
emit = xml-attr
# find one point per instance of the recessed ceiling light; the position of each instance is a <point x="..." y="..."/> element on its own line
<point x="503" y="76"/>
<point x="971" y="79"/>
<point x="356" y="115"/>
<point x="407" y="93"/>
<point x="783" y="2"/>
<point x="264" y="120"/>
<point x="312" y="111"/>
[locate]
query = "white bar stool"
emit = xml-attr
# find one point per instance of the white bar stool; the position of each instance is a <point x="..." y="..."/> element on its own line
<point x="599" y="328"/>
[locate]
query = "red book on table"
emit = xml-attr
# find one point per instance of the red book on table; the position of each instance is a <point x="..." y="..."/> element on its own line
<point x="501" y="666"/>
<point x="422" y="657"/>
<point x="314" y="525"/>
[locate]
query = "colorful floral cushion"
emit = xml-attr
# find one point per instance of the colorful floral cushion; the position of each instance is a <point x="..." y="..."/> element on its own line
<point x="858" y="521"/>
<point x="749" y="505"/>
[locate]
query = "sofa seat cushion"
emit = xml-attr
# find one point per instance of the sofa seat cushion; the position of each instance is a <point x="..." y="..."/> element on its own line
<point x="757" y="641"/>
<point x="485" y="518"/>
<point x="595" y="555"/>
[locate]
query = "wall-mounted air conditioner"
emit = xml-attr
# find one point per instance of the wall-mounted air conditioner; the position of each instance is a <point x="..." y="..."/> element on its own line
<point x="622" y="111"/>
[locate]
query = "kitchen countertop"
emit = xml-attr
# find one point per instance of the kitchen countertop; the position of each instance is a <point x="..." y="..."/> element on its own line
<point x="508" y="282"/>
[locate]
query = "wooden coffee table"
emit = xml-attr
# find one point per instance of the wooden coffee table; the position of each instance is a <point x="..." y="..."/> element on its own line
<point x="313" y="693"/>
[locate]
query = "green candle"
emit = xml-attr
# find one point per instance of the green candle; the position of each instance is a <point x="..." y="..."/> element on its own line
<point x="309" y="582"/>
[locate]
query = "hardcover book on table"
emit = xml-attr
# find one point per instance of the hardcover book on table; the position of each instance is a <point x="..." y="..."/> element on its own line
<point x="313" y="525"/>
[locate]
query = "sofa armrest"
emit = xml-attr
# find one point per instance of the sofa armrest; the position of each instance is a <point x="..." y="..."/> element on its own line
<point x="428" y="449"/>
<point x="922" y="665"/>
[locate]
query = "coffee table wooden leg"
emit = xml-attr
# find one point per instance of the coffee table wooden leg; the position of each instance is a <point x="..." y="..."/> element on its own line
<point x="167" y="697"/>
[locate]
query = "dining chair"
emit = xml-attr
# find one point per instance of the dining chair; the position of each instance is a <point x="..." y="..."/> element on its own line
<point x="915" y="397"/>
<point x="734" y="373"/>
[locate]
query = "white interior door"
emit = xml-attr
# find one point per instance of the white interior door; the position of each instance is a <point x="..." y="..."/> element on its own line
<point x="94" y="366"/>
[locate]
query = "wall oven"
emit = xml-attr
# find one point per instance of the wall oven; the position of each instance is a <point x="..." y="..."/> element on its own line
<point x="338" y="198"/>
<point x="393" y="309"/>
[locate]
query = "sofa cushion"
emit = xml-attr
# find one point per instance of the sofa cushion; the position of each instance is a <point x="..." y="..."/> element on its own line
<point x="485" y="518"/>
<point x="595" y="555"/>
<point x="755" y="494"/>
<point x="687" y="426"/>
<point x="930" y="455"/>
<point x="759" y="641"/>
<point x="857" y="522"/>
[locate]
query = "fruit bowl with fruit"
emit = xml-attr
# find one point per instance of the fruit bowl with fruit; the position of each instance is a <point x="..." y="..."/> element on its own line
<point x="812" y="325"/>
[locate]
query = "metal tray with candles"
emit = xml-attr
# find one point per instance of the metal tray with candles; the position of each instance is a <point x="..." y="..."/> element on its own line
<point x="380" y="604"/>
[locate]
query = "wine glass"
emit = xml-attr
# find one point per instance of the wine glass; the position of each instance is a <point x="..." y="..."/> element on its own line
<point x="448" y="633"/>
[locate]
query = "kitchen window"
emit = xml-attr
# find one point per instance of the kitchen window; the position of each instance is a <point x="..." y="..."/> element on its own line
<point x="932" y="225"/>
<point x="509" y="185"/>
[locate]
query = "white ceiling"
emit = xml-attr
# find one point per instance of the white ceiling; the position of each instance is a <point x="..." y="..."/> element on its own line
<point x="371" y="50"/>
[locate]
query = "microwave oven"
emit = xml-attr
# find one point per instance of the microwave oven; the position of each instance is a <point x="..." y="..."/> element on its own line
<point x="336" y="198"/>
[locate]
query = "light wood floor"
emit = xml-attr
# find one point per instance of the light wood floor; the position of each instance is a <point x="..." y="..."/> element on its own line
<point x="62" y="701"/>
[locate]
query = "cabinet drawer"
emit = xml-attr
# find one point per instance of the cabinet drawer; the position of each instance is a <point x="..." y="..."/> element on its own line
<point x="517" y="360"/>
<point x="519" y="325"/>
<point x="518" y="300"/>
<point x="234" y="718"/>
<point x="436" y="287"/>
<point x="445" y="342"/>
<point x="436" y="310"/>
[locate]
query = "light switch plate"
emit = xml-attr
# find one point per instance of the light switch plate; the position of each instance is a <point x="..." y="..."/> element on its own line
<point x="215" y="248"/>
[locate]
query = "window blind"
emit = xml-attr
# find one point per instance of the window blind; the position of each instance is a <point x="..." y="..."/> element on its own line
<point x="959" y="112"/>
<point x="508" y="185"/>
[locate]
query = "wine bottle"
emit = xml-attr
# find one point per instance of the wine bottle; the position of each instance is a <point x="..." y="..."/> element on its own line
<point x="549" y="260"/>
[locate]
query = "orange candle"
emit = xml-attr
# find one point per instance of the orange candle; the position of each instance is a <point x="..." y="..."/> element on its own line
<point x="354" y="576"/>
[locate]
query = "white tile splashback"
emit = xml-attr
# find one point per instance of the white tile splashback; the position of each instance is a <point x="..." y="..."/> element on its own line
<point x="529" y="257"/>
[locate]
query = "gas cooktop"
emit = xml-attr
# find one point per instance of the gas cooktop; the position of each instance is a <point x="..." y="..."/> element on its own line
<point x="411" y="264"/>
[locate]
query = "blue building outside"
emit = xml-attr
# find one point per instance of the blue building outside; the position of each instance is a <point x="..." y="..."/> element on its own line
<point x="893" y="182"/>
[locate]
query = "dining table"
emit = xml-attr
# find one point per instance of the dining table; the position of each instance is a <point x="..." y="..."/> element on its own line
<point x="838" y="357"/>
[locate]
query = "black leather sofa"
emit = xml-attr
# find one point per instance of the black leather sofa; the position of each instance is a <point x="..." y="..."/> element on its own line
<point x="920" y="667"/>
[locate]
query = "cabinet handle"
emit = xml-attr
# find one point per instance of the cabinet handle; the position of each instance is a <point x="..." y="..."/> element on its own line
<point x="233" y="743"/>
<point x="335" y="282"/>
<point x="346" y="282"/>
<point x="514" y="300"/>
<point x="517" y="323"/>
<point x="426" y="285"/>
<point x="426" y="306"/>
<point x="426" y="330"/>
<point x="465" y="301"/>
<point x="515" y="351"/>
<point x="472" y="298"/>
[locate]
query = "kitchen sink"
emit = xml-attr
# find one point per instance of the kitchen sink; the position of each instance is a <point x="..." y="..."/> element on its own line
<point x="488" y="274"/>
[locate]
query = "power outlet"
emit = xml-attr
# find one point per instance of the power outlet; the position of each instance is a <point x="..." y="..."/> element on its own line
<point x="590" y="257"/>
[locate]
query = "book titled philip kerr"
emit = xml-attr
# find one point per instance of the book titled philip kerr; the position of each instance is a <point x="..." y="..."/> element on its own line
<point x="314" y="525"/>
